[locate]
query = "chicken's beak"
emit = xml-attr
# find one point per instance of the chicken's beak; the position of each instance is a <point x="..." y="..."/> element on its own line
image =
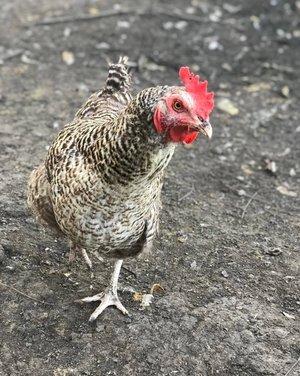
<point x="206" y="129"/>
<point x="203" y="127"/>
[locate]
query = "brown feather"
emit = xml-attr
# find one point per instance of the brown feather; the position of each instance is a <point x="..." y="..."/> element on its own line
<point x="102" y="177"/>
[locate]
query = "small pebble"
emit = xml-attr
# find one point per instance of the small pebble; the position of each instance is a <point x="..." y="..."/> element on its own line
<point x="270" y="166"/>
<point x="292" y="172"/>
<point x="224" y="274"/>
<point x="180" y="25"/>
<point x="55" y="125"/>
<point x="123" y="24"/>
<point x="168" y="25"/>
<point x="103" y="46"/>
<point x="67" y="32"/>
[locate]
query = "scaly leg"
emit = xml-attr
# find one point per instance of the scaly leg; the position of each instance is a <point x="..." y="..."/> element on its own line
<point x="86" y="258"/>
<point x="109" y="296"/>
<point x="74" y="248"/>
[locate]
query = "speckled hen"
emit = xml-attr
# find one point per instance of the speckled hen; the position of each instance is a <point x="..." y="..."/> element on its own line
<point x="101" y="181"/>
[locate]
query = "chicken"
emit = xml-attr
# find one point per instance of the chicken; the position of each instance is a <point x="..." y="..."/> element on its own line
<point x="100" y="183"/>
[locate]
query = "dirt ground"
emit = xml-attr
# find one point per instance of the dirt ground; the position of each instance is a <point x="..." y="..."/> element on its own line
<point x="227" y="253"/>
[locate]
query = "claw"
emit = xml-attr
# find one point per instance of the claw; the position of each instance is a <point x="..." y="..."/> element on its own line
<point x="107" y="299"/>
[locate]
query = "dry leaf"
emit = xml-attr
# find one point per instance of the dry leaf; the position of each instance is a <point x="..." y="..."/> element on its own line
<point x="147" y="300"/>
<point x="68" y="57"/>
<point x="274" y="252"/>
<point x="137" y="296"/>
<point x="246" y="169"/>
<point x="94" y="11"/>
<point x="156" y="287"/>
<point x="285" y="91"/>
<point x="259" y="86"/>
<point x="284" y="191"/>
<point x="182" y="238"/>
<point x="227" y="106"/>
<point x="288" y="315"/>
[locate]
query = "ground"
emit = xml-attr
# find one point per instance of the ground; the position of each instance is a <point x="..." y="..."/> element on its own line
<point x="226" y="256"/>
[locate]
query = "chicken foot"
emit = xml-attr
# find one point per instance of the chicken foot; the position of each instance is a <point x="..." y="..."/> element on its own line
<point x="109" y="296"/>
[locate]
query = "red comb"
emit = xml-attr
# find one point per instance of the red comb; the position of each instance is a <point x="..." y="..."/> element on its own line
<point x="198" y="90"/>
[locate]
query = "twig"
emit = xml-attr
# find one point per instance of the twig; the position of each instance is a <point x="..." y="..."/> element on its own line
<point x="248" y="203"/>
<point x="182" y="16"/>
<point x="114" y="13"/>
<point x="23" y="294"/>
<point x="280" y="68"/>
<point x="187" y="194"/>
<point x="293" y="366"/>
<point x="59" y="20"/>
<point x="129" y="271"/>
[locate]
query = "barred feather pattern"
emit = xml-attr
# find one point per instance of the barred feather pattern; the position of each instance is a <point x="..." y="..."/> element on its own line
<point x="39" y="199"/>
<point x="106" y="181"/>
<point x="102" y="176"/>
<point x="113" y="97"/>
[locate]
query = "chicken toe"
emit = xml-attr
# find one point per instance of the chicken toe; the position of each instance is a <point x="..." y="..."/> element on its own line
<point x="109" y="297"/>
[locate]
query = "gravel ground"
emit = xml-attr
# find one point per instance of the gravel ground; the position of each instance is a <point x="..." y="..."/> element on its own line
<point x="227" y="253"/>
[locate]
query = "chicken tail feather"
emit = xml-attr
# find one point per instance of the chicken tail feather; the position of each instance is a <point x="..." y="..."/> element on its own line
<point x="118" y="77"/>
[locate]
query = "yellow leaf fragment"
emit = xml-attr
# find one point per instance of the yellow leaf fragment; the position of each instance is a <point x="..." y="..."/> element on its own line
<point x="246" y="169"/>
<point x="227" y="106"/>
<point x="93" y="11"/>
<point x="137" y="296"/>
<point x="285" y="91"/>
<point x="285" y="191"/>
<point x="259" y="86"/>
<point x="68" y="57"/>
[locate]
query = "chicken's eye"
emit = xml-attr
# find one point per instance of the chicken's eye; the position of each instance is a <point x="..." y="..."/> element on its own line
<point x="178" y="106"/>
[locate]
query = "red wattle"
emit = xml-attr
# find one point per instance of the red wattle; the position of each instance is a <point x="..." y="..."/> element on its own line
<point x="191" y="137"/>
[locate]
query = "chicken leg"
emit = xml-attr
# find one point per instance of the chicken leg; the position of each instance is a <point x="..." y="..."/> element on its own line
<point x="109" y="296"/>
<point x="74" y="248"/>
